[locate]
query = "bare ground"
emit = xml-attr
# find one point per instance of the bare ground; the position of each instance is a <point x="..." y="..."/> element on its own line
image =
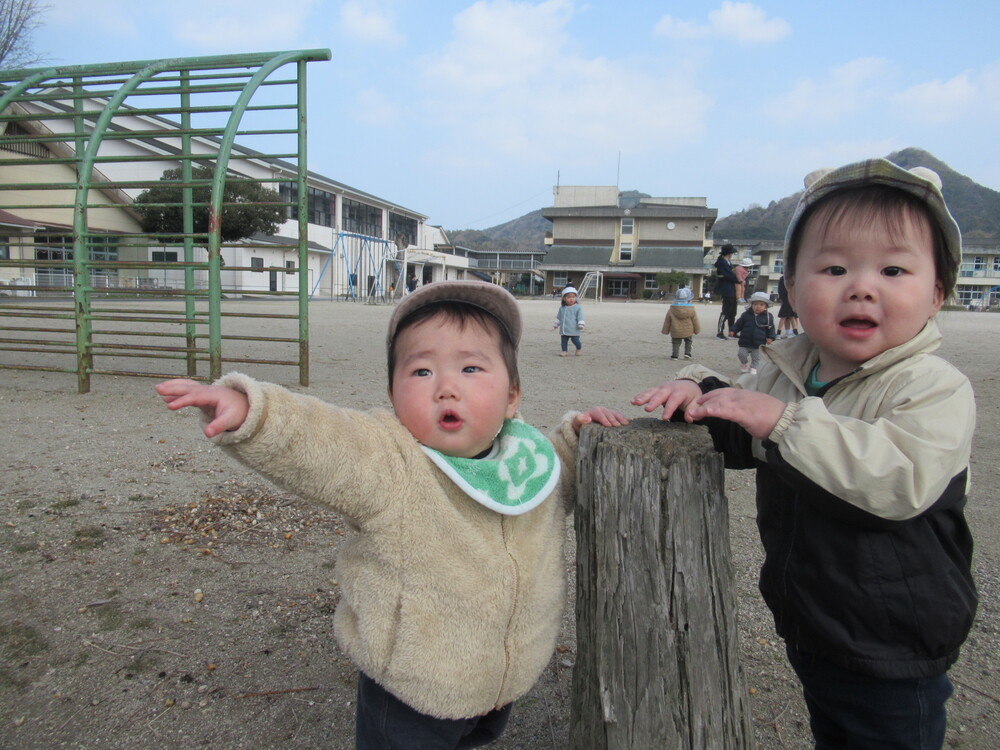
<point x="154" y="591"/>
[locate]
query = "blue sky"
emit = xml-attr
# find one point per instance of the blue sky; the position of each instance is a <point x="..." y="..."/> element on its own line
<point x="469" y="112"/>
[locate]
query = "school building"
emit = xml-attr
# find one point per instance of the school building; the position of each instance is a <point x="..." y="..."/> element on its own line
<point x="612" y="245"/>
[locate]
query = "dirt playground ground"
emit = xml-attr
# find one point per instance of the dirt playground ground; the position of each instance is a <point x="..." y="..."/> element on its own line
<point x="154" y="593"/>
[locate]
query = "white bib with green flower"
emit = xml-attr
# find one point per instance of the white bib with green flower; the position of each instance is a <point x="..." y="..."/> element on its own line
<point x="518" y="473"/>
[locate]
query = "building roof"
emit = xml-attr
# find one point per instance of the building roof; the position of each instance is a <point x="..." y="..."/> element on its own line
<point x="641" y="211"/>
<point x="168" y="149"/>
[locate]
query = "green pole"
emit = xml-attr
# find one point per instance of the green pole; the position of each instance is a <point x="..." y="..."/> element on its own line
<point x="303" y="233"/>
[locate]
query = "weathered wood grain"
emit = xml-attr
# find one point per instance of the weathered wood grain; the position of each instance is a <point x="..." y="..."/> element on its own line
<point x="657" y="663"/>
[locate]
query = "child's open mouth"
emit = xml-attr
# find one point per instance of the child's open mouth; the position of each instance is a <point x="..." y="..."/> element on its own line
<point x="450" y="421"/>
<point x="857" y="324"/>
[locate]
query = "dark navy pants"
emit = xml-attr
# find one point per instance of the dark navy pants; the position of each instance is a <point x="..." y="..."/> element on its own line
<point x="848" y="710"/>
<point x="575" y="339"/>
<point x="384" y="722"/>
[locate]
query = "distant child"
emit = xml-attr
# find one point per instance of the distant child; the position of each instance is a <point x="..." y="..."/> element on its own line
<point x="452" y="583"/>
<point x="861" y="440"/>
<point x="569" y="321"/>
<point x="755" y="328"/>
<point x="681" y="323"/>
<point x="742" y="271"/>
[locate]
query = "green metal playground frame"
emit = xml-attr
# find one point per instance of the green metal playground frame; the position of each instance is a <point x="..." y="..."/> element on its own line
<point x="78" y="143"/>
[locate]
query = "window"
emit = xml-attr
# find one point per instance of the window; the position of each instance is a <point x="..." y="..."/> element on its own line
<point x="618" y="287"/>
<point x="361" y="218"/>
<point x="560" y="280"/>
<point x="996" y="264"/>
<point x="779" y="264"/>
<point x="651" y="281"/>
<point x="625" y="252"/>
<point x="321" y="205"/>
<point x="164" y="256"/>
<point x="257" y="264"/>
<point x="628" y="225"/>
<point x="102" y="248"/>
<point x="290" y="266"/>
<point x="4" y="248"/>
<point x="401" y="225"/>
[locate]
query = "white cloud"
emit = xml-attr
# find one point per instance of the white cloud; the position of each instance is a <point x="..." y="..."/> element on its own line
<point x="960" y="97"/>
<point x="368" y="24"/>
<point x="497" y="42"/>
<point x="514" y="89"/>
<point x="743" y="22"/>
<point x="846" y="89"/>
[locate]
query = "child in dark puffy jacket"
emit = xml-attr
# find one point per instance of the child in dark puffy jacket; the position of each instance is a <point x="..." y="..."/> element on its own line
<point x="755" y="327"/>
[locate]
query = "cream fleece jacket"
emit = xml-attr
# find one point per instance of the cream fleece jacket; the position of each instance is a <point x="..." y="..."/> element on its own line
<point x="453" y="608"/>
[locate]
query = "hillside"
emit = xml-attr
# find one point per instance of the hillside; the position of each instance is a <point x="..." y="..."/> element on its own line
<point x="523" y="233"/>
<point x="976" y="209"/>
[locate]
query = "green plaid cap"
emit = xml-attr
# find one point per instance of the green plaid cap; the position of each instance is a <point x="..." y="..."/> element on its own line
<point x="920" y="182"/>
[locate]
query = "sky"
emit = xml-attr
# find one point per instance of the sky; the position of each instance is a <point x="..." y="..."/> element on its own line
<point x="471" y="112"/>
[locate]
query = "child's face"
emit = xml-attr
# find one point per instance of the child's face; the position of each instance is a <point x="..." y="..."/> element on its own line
<point x="758" y="307"/>
<point x="860" y="289"/>
<point x="569" y="299"/>
<point x="451" y="388"/>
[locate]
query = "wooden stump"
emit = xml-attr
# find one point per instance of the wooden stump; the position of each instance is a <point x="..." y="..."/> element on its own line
<point x="657" y="662"/>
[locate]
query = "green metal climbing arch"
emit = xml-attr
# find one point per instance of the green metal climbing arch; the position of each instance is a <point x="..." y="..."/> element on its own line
<point x="82" y="288"/>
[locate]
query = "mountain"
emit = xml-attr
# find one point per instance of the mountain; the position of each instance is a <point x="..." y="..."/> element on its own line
<point x="523" y="233"/>
<point x="975" y="208"/>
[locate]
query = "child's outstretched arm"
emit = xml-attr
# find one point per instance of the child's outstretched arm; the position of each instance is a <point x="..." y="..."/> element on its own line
<point x="600" y="414"/>
<point x="226" y="408"/>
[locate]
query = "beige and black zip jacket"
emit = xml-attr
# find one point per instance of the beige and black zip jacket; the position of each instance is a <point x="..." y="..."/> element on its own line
<point x="861" y="492"/>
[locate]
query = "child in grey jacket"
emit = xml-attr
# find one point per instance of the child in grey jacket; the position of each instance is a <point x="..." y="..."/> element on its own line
<point x="453" y="581"/>
<point x="569" y="321"/>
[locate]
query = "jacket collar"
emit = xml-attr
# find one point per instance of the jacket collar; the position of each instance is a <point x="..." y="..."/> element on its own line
<point x="797" y="356"/>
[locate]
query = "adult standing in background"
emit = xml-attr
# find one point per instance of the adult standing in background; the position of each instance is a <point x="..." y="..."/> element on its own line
<point x="788" y="321"/>
<point x="725" y="285"/>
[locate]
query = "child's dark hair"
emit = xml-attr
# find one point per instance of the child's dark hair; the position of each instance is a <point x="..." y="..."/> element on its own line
<point x="876" y="203"/>
<point x="461" y="314"/>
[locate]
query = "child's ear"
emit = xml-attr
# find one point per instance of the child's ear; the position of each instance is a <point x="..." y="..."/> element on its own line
<point x="513" y="401"/>
<point x="938" y="297"/>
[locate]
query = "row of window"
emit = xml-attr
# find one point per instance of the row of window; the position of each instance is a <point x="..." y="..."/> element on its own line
<point x="980" y="264"/>
<point x="359" y="218"/>
<point x="321" y="205"/>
